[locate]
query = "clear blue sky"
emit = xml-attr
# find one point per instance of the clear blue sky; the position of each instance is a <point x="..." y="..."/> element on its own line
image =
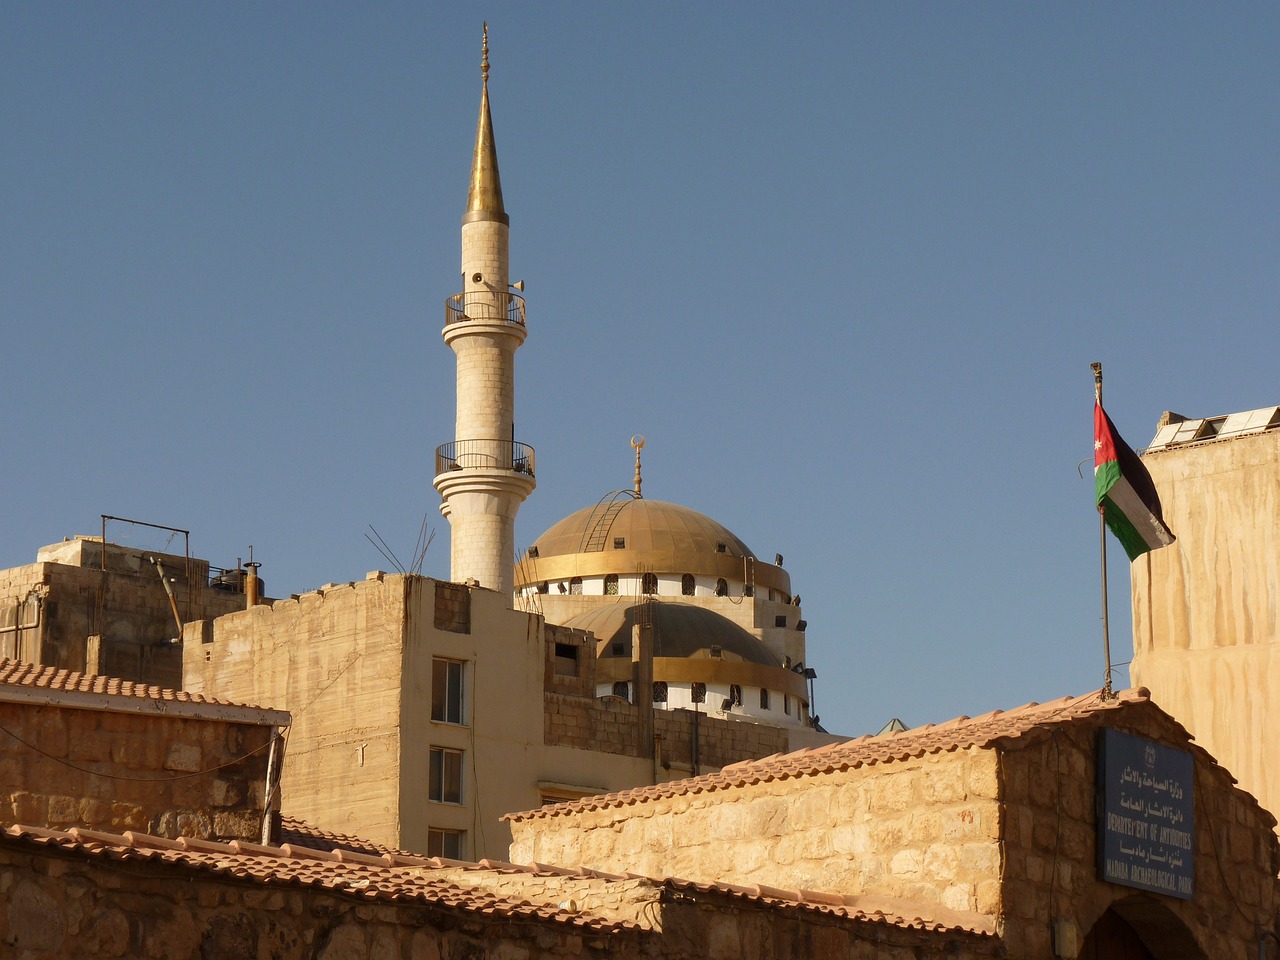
<point x="845" y="266"/>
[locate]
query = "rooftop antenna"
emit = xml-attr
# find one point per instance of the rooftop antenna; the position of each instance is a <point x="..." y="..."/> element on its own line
<point x="637" y="442"/>
<point x="385" y="549"/>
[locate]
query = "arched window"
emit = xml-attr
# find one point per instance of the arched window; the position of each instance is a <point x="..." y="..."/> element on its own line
<point x="611" y="585"/>
<point x="649" y="583"/>
<point x="660" y="691"/>
<point x="764" y="699"/>
<point x="620" y="689"/>
<point x="575" y="586"/>
<point x="735" y="694"/>
<point x="722" y="587"/>
<point x="698" y="693"/>
<point x="686" y="585"/>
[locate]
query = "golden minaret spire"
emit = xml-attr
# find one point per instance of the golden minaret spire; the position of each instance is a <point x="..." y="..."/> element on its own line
<point x="484" y="199"/>
<point x="637" y="442"/>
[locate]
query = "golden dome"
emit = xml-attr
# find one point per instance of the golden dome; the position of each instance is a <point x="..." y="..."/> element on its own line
<point x="679" y="630"/>
<point x="651" y="526"/>
<point x="627" y="534"/>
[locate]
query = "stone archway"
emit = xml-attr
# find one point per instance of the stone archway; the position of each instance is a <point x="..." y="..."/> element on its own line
<point x="1140" y="928"/>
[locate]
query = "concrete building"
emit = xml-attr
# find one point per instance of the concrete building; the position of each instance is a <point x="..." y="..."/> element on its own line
<point x="1206" y="627"/>
<point x="424" y="710"/>
<point x="102" y="608"/>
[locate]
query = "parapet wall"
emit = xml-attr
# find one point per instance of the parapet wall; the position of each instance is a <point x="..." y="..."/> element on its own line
<point x="611" y="725"/>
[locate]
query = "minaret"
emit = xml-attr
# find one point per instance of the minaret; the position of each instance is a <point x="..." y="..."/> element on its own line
<point x="484" y="474"/>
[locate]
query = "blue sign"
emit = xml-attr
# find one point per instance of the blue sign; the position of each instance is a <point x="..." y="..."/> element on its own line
<point x="1146" y="824"/>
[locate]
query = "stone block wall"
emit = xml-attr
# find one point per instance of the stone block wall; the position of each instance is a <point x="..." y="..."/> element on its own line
<point x="925" y="829"/>
<point x="1050" y="870"/>
<point x="610" y="725"/>
<point x="58" y="906"/>
<point x="101" y="770"/>
<point x="62" y="908"/>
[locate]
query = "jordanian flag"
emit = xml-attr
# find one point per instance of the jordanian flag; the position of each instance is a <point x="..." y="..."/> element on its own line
<point x="1126" y="496"/>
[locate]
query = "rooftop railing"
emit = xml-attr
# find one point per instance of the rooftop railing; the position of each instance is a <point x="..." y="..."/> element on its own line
<point x="491" y="305"/>
<point x="485" y="454"/>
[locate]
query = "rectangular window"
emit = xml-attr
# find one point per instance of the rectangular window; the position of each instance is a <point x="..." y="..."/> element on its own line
<point x="449" y="844"/>
<point x="445" y="784"/>
<point x="446" y="690"/>
<point x="566" y="660"/>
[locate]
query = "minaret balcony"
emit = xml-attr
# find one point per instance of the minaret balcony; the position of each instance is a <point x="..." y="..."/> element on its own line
<point x="485" y="455"/>
<point x="492" y="306"/>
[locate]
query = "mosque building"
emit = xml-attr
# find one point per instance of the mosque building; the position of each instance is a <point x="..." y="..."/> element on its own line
<point x="656" y="583"/>
<point x="637" y="641"/>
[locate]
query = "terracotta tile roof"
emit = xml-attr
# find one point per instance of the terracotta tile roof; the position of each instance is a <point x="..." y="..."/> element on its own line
<point x="396" y="878"/>
<point x="299" y="833"/>
<point x="407" y="879"/>
<point x="998" y="726"/>
<point x="889" y="911"/>
<point x="32" y="677"/>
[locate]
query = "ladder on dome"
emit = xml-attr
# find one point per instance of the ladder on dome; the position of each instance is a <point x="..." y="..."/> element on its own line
<point x="601" y="520"/>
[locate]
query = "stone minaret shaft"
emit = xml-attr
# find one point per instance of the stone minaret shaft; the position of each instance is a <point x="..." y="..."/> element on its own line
<point x="484" y="474"/>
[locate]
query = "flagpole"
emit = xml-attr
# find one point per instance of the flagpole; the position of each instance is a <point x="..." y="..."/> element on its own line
<point x="1102" y="530"/>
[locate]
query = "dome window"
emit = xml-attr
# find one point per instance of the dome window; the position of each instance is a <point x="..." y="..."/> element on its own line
<point x="649" y="583"/>
<point x="764" y="699"/>
<point x="619" y="543"/>
<point x="575" y="586"/>
<point x="660" y="691"/>
<point x="722" y="587"/>
<point x="698" y="693"/>
<point x="687" y="584"/>
<point x="721" y="548"/>
<point x="621" y="689"/>
<point x="611" y="585"/>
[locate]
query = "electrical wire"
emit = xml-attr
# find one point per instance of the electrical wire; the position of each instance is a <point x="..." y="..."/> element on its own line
<point x="115" y="776"/>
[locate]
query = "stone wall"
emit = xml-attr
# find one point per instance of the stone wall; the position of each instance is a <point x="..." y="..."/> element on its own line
<point x="116" y="622"/>
<point x="610" y="725"/>
<point x="926" y="830"/>
<point x="61" y="906"/>
<point x="1050" y="868"/>
<point x="62" y="767"/>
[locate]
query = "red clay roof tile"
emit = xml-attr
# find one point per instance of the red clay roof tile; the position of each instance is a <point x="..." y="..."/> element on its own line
<point x="18" y="673"/>
<point x="956" y="734"/>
